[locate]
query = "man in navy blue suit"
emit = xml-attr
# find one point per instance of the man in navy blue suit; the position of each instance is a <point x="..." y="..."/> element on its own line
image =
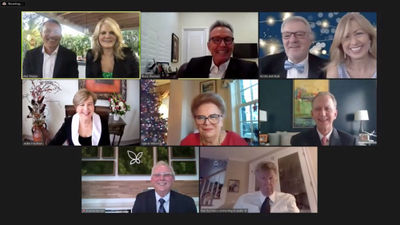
<point x="296" y="61"/>
<point x="323" y="112"/>
<point x="162" y="199"/>
<point x="50" y="60"/>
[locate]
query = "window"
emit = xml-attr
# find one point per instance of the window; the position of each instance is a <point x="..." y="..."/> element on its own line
<point x="248" y="109"/>
<point x="139" y="160"/>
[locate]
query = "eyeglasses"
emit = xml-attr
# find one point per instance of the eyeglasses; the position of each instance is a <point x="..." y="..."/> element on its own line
<point x="218" y="40"/>
<point x="166" y="175"/>
<point x="213" y="118"/>
<point x="298" y="34"/>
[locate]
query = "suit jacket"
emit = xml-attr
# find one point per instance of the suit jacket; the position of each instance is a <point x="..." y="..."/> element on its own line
<point x="310" y="137"/>
<point x="64" y="133"/>
<point x="125" y="68"/>
<point x="274" y="65"/>
<point x="146" y="203"/>
<point x="66" y="65"/>
<point x="237" y="69"/>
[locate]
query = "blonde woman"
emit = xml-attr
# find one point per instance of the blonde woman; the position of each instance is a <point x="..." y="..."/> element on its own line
<point x="353" y="50"/>
<point x="85" y="127"/>
<point x="110" y="58"/>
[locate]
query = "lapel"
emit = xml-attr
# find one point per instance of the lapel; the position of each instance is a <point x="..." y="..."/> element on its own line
<point x="335" y="138"/>
<point x="232" y="68"/>
<point x="315" y="137"/>
<point x="153" y="205"/>
<point x="281" y="66"/>
<point x="312" y="68"/>
<point x="39" y="61"/>
<point x="57" y="65"/>
<point x="172" y="202"/>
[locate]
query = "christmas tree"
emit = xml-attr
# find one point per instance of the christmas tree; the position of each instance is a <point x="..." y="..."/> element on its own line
<point x="153" y="128"/>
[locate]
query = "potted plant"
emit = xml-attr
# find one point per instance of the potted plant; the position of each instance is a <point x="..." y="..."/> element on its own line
<point x="118" y="106"/>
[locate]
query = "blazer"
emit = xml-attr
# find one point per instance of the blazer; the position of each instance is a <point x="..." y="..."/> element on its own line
<point x="274" y="65"/>
<point x="66" y="65"/>
<point x="64" y="133"/>
<point x="146" y="203"/>
<point x="237" y="69"/>
<point x="310" y="137"/>
<point x="123" y="68"/>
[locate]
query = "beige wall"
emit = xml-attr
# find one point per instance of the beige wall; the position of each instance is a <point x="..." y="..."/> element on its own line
<point x="236" y="170"/>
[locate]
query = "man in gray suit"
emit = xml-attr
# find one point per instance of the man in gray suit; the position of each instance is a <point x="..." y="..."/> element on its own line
<point x="323" y="112"/>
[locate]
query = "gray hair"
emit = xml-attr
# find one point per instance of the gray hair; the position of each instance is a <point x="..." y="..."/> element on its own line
<point x="298" y="19"/>
<point x="50" y="21"/>
<point x="323" y="93"/>
<point x="163" y="163"/>
<point x="220" y="23"/>
<point x="266" y="165"/>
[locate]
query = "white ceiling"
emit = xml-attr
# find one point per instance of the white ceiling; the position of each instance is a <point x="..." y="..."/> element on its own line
<point x="244" y="154"/>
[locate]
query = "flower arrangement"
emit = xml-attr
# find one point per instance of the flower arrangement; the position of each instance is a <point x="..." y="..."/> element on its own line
<point x="38" y="92"/>
<point x="118" y="105"/>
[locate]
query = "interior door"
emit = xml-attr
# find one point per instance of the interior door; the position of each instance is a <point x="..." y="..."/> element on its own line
<point x="195" y="43"/>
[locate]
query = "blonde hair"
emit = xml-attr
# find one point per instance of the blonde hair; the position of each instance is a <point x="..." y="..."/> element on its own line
<point x="82" y="95"/>
<point x="97" y="49"/>
<point x="336" y="51"/>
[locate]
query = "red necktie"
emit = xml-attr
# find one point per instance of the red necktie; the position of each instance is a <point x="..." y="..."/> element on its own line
<point x="324" y="140"/>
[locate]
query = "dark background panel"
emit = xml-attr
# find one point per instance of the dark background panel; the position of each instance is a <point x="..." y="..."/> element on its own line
<point x="351" y="95"/>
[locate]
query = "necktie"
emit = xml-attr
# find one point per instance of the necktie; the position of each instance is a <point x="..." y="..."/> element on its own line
<point x="324" y="140"/>
<point x="161" y="209"/>
<point x="265" y="207"/>
<point x="288" y="65"/>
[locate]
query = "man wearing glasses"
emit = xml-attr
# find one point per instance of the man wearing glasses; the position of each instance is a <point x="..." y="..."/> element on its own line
<point x="296" y="61"/>
<point x="220" y="64"/>
<point x="162" y="199"/>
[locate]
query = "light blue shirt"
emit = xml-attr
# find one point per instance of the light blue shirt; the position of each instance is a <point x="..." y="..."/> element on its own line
<point x="166" y="203"/>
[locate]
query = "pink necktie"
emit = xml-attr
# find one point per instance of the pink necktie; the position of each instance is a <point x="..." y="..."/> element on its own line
<point x="324" y="140"/>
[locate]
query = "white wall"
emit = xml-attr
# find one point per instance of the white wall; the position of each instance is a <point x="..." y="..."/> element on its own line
<point x="245" y="25"/>
<point x="156" y="32"/>
<point x="55" y="111"/>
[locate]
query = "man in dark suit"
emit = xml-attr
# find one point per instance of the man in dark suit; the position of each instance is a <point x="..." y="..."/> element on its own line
<point x="323" y="112"/>
<point x="162" y="199"/>
<point x="220" y="64"/>
<point x="50" y="60"/>
<point x="296" y="61"/>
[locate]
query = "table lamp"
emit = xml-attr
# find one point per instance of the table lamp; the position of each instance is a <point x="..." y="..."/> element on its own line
<point x="361" y="115"/>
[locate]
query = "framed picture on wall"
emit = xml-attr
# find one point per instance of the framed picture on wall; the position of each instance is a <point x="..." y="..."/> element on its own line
<point x="233" y="185"/>
<point x="104" y="88"/>
<point x="303" y="93"/>
<point x="174" y="48"/>
<point x="207" y="86"/>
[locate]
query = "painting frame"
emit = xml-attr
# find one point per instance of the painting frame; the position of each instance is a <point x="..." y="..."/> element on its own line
<point x="105" y="87"/>
<point x="303" y="93"/>
<point x="174" y="48"/>
<point x="233" y="185"/>
<point x="208" y="86"/>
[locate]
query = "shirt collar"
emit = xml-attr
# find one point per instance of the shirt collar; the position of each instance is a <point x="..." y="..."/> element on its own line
<point x="218" y="70"/>
<point x="53" y="53"/>
<point x="262" y="197"/>
<point x="303" y="62"/>
<point x="166" y="197"/>
<point x="328" y="136"/>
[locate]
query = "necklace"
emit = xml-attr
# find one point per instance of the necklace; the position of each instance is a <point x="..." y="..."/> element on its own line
<point x="221" y="138"/>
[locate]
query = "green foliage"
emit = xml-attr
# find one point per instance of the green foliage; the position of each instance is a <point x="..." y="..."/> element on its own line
<point x="146" y="161"/>
<point x="185" y="167"/>
<point x="97" y="168"/>
<point x="131" y="39"/>
<point x="79" y="44"/>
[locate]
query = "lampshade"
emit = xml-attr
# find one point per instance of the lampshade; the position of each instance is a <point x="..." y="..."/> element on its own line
<point x="263" y="116"/>
<point x="361" y="115"/>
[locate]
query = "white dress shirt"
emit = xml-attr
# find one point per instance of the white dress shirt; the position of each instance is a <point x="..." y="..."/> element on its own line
<point x="280" y="202"/>
<point x="294" y="74"/>
<point x="166" y="203"/>
<point x="218" y="72"/>
<point x="48" y="63"/>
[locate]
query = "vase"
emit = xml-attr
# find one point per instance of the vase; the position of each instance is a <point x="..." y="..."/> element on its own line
<point x="38" y="132"/>
<point x="116" y="117"/>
